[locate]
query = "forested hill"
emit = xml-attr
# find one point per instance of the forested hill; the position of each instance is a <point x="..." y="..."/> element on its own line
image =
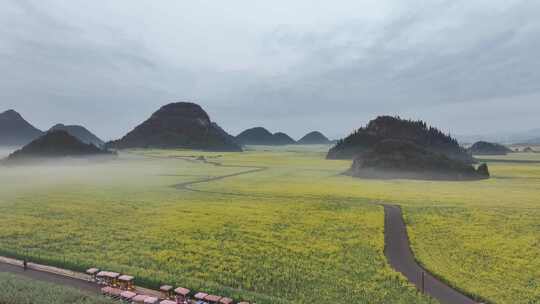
<point x="388" y="127"/>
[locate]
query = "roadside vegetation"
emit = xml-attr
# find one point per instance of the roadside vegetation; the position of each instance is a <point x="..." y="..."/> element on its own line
<point x="298" y="232"/>
<point x="16" y="289"/>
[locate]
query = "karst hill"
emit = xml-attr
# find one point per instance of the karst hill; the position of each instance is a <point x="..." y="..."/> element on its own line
<point x="314" y="138"/>
<point x="178" y="125"/>
<point x="80" y="132"/>
<point x="15" y="130"/>
<point x="54" y="145"/>
<point x="388" y="127"/>
<point x="261" y="136"/>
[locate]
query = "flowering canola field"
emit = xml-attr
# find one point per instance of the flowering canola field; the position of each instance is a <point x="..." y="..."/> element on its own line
<point x="297" y="232"/>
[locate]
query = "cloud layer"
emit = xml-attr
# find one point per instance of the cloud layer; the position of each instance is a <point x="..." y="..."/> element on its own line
<point x="463" y="65"/>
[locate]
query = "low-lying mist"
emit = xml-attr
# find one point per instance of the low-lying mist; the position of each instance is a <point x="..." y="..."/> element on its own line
<point x="99" y="172"/>
<point x="6" y="151"/>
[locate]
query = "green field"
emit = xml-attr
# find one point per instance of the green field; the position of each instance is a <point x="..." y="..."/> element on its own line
<point x="297" y="232"/>
<point x="16" y="289"/>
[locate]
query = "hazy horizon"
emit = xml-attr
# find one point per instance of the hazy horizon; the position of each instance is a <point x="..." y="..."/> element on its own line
<point x="466" y="67"/>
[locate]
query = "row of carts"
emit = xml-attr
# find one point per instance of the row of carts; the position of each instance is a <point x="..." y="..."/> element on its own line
<point x="121" y="287"/>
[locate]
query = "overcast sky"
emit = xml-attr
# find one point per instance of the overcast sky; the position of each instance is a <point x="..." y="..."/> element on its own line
<point x="467" y="66"/>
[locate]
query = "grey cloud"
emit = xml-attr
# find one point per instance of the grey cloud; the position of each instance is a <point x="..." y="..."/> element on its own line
<point x="287" y="74"/>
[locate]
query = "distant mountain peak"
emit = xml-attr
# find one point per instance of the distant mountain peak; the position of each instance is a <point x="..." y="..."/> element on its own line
<point x="54" y="144"/>
<point x="11" y="114"/>
<point x="80" y="132"/>
<point x="488" y="148"/>
<point x="314" y="137"/>
<point x="178" y="125"/>
<point x="261" y="136"/>
<point x="281" y="138"/>
<point x="15" y="130"/>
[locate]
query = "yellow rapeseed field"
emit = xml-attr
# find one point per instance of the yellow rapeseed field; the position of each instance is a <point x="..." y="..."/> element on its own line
<point x="297" y="232"/>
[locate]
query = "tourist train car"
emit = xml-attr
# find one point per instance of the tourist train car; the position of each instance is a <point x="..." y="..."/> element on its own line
<point x="151" y="300"/>
<point x="212" y="299"/>
<point x="126" y="282"/>
<point x="167" y="291"/>
<point x="139" y="299"/>
<point x="105" y="290"/>
<point x="226" y="301"/>
<point x="200" y="296"/>
<point x="108" y="278"/>
<point x="181" y="294"/>
<point x="127" y="296"/>
<point x="92" y="272"/>
<point x="111" y="292"/>
<point x="121" y="287"/>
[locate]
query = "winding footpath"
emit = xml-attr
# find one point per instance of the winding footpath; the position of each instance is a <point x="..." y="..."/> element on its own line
<point x="397" y="250"/>
<point x="187" y="185"/>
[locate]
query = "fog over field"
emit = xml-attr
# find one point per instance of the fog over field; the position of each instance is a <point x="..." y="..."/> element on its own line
<point x="469" y="67"/>
<point x="5" y="151"/>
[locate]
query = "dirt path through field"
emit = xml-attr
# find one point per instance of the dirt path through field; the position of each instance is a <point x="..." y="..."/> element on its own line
<point x="186" y="185"/>
<point x="401" y="258"/>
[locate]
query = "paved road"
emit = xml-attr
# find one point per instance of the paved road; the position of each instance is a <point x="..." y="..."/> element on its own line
<point x="50" y="277"/>
<point x="400" y="257"/>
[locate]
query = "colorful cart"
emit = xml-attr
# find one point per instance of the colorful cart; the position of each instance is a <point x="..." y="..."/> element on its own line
<point x="226" y="301"/>
<point x="181" y="294"/>
<point x="92" y="272"/>
<point x="167" y="291"/>
<point x="139" y="299"/>
<point x="151" y="300"/>
<point x="212" y="299"/>
<point x="127" y="296"/>
<point x="126" y="282"/>
<point x="108" y="278"/>
<point x="200" y="296"/>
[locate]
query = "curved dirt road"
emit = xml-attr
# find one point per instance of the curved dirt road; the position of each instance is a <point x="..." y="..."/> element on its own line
<point x="401" y="258"/>
<point x="186" y="185"/>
